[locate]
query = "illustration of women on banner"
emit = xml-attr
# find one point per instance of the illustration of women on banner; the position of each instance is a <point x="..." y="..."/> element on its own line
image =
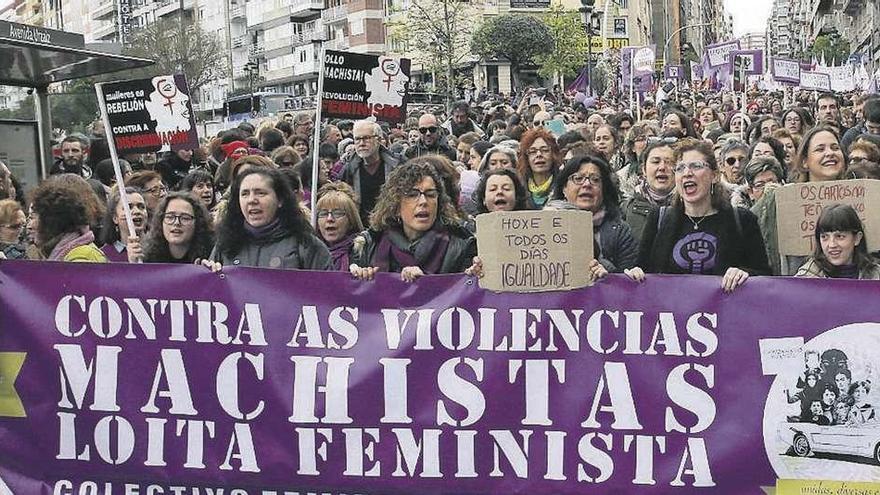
<point x="386" y="85"/>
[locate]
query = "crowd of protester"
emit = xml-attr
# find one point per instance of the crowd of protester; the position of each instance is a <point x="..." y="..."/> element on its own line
<point x="685" y="186"/>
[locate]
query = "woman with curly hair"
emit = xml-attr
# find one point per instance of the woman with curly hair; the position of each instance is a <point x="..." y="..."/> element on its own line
<point x="414" y="228"/>
<point x="200" y="184"/>
<point x="538" y="164"/>
<point x="338" y="221"/>
<point x="263" y="226"/>
<point x="61" y="217"/>
<point x="180" y="232"/>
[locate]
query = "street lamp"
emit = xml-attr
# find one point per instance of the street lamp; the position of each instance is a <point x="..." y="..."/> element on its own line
<point x="592" y="26"/>
<point x="252" y="68"/>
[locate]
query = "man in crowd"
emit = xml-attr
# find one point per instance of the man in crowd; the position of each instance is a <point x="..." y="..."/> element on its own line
<point x="369" y="167"/>
<point x="871" y="124"/>
<point x="430" y="140"/>
<point x="461" y="123"/>
<point x="828" y="111"/>
<point x="73" y="157"/>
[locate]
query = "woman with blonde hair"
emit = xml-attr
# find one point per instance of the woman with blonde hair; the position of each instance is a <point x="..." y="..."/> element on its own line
<point x="338" y="221"/>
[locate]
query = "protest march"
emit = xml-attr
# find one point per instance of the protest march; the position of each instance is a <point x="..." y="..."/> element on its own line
<point x="668" y="286"/>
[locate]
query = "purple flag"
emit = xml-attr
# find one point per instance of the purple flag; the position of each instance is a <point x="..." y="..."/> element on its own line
<point x="167" y="379"/>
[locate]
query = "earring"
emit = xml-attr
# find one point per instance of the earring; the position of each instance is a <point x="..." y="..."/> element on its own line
<point x="712" y="190"/>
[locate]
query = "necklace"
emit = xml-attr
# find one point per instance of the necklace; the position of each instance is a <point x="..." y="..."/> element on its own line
<point x="695" y="222"/>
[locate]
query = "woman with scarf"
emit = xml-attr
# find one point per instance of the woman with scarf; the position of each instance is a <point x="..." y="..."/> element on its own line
<point x="654" y="189"/>
<point x="263" y="226"/>
<point x="538" y="163"/>
<point x="338" y="221"/>
<point x="587" y="183"/>
<point x="414" y="228"/>
<point x="61" y="218"/>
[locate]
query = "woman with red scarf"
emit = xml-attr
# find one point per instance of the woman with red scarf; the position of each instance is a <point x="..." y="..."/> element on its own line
<point x="414" y="229"/>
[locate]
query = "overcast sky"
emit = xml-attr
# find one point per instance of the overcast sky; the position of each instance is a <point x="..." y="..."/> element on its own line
<point x="749" y="16"/>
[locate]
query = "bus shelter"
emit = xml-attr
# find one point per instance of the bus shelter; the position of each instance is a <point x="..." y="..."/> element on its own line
<point x="36" y="57"/>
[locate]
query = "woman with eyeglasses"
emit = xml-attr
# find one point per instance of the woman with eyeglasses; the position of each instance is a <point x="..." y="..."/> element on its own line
<point x="338" y="221"/>
<point x="587" y="183"/>
<point x="114" y="233"/>
<point x="263" y="226"/>
<point x="820" y="158"/>
<point x="700" y="232"/>
<point x="150" y="183"/>
<point x="414" y="229"/>
<point x="12" y="221"/>
<point x="539" y="162"/>
<point x="180" y="232"/>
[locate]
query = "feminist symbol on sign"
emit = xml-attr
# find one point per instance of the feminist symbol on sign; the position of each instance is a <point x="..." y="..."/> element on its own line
<point x="386" y="83"/>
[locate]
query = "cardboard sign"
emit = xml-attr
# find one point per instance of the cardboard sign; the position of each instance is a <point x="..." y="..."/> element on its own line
<point x="535" y="251"/>
<point x="786" y="70"/>
<point x="815" y="81"/>
<point x="357" y="86"/>
<point x="798" y="207"/>
<point x="150" y="115"/>
<point x="719" y="54"/>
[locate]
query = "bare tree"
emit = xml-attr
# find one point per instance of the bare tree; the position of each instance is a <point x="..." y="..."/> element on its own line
<point x="437" y="33"/>
<point x="180" y="46"/>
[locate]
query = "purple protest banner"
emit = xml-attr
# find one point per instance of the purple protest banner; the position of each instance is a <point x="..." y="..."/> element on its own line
<point x="643" y="80"/>
<point x="159" y="379"/>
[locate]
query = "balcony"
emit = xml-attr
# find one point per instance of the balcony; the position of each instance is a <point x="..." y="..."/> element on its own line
<point x="104" y="11"/>
<point x="166" y="8"/>
<point x="305" y="68"/>
<point x="275" y="44"/>
<point x="278" y="75"/>
<point x="239" y="41"/>
<point x="338" y="44"/>
<point x="237" y="12"/>
<point x="257" y="49"/>
<point x="105" y="32"/>
<point x="306" y="37"/>
<point x="305" y="8"/>
<point x="334" y="14"/>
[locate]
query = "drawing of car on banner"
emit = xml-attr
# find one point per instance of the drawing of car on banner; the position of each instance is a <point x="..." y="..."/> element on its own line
<point x="809" y="438"/>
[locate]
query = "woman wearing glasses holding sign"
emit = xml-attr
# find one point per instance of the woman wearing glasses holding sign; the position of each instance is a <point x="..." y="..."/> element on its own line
<point x="414" y="229"/>
<point x="700" y="233"/>
<point x="181" y="232"/>
<point x="586" y="182"/>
